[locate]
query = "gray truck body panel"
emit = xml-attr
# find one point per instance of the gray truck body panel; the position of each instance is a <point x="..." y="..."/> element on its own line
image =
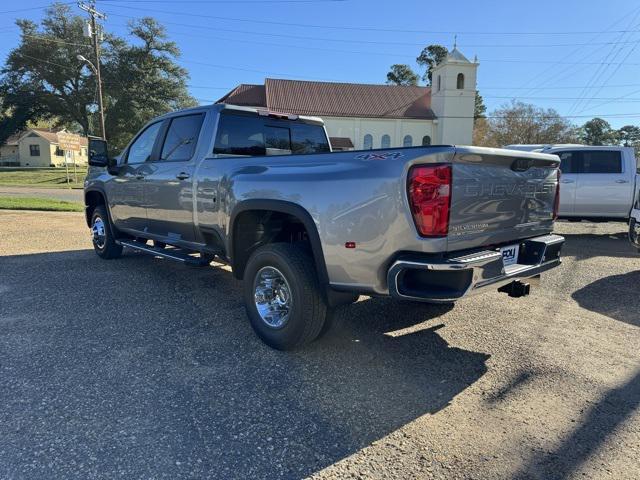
<point x="353" y="196"/>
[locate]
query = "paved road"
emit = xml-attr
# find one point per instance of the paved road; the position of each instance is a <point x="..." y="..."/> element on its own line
<point x="142" y="368"/>
<point x="69" y="195"/>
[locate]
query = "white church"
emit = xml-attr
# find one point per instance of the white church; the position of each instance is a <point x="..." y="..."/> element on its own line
<point x="364" y="116"/>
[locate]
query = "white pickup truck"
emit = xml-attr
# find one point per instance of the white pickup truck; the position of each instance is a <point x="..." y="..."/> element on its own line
<point x="599" y="183"/>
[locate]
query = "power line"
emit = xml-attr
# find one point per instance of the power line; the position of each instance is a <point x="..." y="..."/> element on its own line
<point x="367" y="42"/>
<point x="533" y="78"/>
<point x="359" y="52"/>
<point x="357" y="28"/>
<point x="33" y="8"/>
<point x="266" y="2"/>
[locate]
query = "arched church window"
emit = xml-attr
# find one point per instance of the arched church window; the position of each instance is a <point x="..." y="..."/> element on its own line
<point x="460" y="82"/>
<point x="426" y="140"/>
<point x="439" y="82"/>
<point x="386" y="141"/>
<point x="368" y="142"/>
<point x="407" y="141"/>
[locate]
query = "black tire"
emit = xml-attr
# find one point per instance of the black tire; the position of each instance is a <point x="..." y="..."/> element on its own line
<point x="105" y="244"/>
<point x="308" y="310"/>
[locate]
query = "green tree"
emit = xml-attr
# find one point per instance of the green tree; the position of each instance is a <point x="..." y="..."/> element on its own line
<point x="402" y="75"/>
<point x="43" y="80"/>
<point x="629" y="136"/>
<point x="479" y="108"/>
<point x="598" y="132"/>
<point x="519" y="122"/>
<point x="431" y="56"/>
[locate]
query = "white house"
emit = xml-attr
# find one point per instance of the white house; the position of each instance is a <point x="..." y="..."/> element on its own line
<point x="365" y="116"/>
<point x="38" y="147"/>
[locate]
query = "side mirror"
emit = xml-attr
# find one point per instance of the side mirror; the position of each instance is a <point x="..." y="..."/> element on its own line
<point x="98" y="156"/>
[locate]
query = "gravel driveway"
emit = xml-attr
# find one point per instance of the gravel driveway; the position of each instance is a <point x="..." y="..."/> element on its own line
<point x="142" y="368"/>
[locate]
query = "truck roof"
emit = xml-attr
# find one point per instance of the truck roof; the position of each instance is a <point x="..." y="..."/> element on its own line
<point x="218" y="107"/>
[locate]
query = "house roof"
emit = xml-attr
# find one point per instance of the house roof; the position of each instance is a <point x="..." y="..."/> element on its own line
<point x="51" y="136"/>
<point x="335" y="99"/>
<point x="13" y="140"/>
<point x="341" y="142"/>
<point x="246" y="95"/>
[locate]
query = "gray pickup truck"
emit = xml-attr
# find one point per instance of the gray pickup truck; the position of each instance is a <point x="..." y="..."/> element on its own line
<point x="307" y="229"/>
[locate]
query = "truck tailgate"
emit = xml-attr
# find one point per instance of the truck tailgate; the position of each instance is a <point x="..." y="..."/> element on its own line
<point x="500" y="196"/>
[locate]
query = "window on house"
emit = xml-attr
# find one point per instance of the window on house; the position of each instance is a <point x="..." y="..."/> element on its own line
<point x="426" y="140"/>
<point x="367" y="144"/>
<point x="34" y="150"/>
<point x="460" y="82"/>
<point x="439" y="82"/>
<point x="59" y="152"/>
<point x="407" y="141"/>
<point x="385" y="142"/>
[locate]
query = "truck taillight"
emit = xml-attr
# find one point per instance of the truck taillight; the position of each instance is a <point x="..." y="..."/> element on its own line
<point x="429" y="188"/>
<point x="556" y="201"/>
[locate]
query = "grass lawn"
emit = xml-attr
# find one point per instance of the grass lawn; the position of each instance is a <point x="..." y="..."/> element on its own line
<point x="29" y="203"/>
<point x="41" y="177"/>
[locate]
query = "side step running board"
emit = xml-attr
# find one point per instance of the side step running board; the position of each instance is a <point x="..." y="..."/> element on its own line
<point x="168" y="253"/>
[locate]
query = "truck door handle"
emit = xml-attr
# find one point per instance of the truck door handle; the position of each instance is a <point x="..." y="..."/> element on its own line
<point x="567" y="181"/>
<point x="622" y="181"/>
<point x="182" y="176"/>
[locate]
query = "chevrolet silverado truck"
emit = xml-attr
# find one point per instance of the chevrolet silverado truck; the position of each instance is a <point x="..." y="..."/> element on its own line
<point x="307" y="229"/>
<point x="598" y="182"/>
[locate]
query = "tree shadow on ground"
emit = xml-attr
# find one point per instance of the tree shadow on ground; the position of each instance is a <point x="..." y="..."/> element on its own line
<point x="599" y="422"/>
<point x="144" y="368"/>
<point x="616" y="296"/>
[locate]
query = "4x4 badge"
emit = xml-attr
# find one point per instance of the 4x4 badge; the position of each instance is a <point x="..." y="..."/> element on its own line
<point x="379" y="156"/>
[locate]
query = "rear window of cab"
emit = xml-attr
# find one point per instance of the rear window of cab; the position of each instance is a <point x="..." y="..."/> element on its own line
<point x="253" y="135"/>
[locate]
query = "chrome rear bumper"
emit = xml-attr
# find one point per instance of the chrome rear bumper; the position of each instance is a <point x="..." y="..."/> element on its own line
<point x="445" y="280"/>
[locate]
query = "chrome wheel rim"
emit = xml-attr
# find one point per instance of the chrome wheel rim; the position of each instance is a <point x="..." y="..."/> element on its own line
<point x="98" y="233"/>
<point x="272" y="296"/>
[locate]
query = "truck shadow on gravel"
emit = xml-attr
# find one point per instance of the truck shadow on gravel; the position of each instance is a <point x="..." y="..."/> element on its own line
<point x="143" y="368"/>
<point x="615" y="296"/>
<point x="584" y="246"/>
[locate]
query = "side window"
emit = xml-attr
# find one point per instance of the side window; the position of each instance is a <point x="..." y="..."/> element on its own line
<point x="601" y="161"/>
<point x="34" y="150"/>
<point x="385" y="142"/>
<point x="426" y="141"/>
<point x="460" y="82"/>
<point x="182" y="137"/>
<point x="408" y="141"/>
<point x="140" y="150"/>
<point x="569" y="162"/>
<point x="307" y="138"/>
<point x="240" y="135"/>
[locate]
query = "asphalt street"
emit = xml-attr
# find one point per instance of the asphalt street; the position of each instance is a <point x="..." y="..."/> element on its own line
<point x="66" y="194"/>
<point x="143" y="368"/>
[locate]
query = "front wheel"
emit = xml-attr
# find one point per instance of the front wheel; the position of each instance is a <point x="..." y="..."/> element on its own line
<point x="102" y="235"/>
<point x="282" y="296"/>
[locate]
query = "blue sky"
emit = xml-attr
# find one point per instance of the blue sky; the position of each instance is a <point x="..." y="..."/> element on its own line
<point x="580" y="57"/>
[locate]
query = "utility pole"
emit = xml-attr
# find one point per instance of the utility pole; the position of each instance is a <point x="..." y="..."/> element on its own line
<point x="95" y="35"/>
